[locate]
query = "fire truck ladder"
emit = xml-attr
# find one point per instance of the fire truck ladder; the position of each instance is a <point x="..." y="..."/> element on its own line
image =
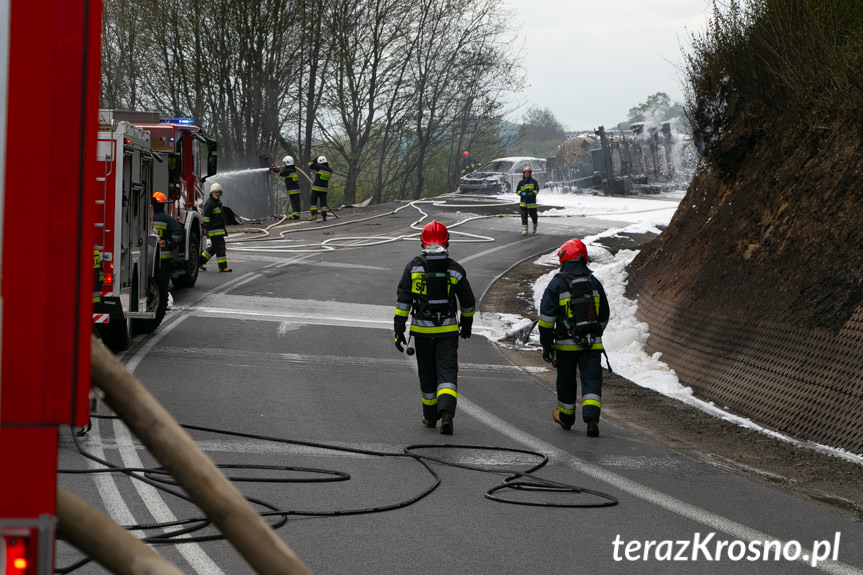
<point x="101" y="201"/>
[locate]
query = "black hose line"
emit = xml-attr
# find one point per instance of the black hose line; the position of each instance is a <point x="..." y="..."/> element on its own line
<point x="182" y="530"/>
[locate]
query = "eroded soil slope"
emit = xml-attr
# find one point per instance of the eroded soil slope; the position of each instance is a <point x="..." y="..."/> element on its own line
<point x="799" y="470"/>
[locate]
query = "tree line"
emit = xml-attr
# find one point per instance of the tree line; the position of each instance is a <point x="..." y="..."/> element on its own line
<point x="391" y="91"/>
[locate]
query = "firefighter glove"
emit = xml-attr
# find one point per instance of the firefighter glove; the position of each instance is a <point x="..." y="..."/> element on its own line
<point x="400" y="340"/>
<point x="546" y="338"/>
<point x="399" y="324"/>
<point x="466" y="324"/>
<point x="548" y="355"/>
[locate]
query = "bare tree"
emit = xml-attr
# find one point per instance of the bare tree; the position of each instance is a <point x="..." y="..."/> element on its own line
<point x="365" y="41"/>
<point x="456" y="40"/>
<point x="388" y="87"/>
<point x="121" y="54"/>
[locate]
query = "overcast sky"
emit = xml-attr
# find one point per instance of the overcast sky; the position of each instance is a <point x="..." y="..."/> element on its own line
<point x="590" y="61"/>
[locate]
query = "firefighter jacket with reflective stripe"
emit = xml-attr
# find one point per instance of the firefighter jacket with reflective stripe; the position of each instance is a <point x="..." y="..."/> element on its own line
<point x="468" y="165"/>
<point x="432" y="303"/>
<point x="170" y="232"/>
<point x="553" y="308"/>
<point x="214" y="219"/>
<point x="322" y="172"/>
<point x="292" y="181"/>
<point x="526" y="190"/>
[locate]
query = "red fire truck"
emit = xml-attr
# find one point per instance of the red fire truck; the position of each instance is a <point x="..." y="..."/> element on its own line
<point x="135" y="159"/>
<point x="46" y="215"/>
<point x="186" y="158"/>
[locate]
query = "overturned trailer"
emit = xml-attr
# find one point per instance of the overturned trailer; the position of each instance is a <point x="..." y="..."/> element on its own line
<point x="641" y="159"/>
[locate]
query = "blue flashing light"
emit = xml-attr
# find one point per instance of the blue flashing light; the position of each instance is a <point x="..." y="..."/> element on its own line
<point x="177" y="120"/>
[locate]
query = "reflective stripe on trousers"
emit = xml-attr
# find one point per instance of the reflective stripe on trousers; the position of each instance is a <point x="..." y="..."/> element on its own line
<point x="586" y="366"/>
<point x="437" y="366"/>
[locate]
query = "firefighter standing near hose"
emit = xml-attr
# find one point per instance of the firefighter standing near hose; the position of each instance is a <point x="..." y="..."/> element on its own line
<point x="526" y="192"/>
<point x="573" y="313"/>
<point x="292" y="184"/>
<point x="214" y="227"/>
<point x="432" y="289"/>
<point x="320" y="186"/>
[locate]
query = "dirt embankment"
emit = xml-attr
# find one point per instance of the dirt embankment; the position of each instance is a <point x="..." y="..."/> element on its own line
<point x="795" y="469"/>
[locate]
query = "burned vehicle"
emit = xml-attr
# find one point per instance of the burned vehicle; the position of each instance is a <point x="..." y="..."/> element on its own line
<point x="501" y="176"/>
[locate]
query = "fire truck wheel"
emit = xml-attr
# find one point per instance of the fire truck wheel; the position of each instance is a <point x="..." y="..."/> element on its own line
<point x="189" y="274"/>
<point x="157" y="301"/>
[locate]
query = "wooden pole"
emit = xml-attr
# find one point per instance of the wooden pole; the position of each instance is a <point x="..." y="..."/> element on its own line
<point x="107" y="543"/>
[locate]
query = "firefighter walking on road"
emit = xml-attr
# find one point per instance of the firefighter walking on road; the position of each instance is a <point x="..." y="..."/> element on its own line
<point x="572" y="316"/>
<point x="526" y="191"/>
<point x="431" y="290"/>
<point x="320" y="186"/>
<point x="292" y="184"/>
<point x="214" y="227"/>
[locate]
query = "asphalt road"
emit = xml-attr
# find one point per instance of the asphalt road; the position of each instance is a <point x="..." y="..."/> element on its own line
<point x="288" y="362"/>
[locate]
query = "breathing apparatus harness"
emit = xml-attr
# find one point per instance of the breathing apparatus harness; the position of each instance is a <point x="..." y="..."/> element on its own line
<point x="435" y="300"/>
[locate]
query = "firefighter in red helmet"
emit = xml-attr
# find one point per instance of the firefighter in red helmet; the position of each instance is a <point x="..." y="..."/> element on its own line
<point x="169" y="229"/>
<point x="572" y="316"/>
<point x="526" y="191"/>
<point x="468" y="164"/>
<point x="433" y="290"/>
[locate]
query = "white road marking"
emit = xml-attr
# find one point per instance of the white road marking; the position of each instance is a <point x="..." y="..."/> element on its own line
<point x="652" y="496"/>
<point x="156" y="505"/>
<point x="296" y="310"/>
<point x="105" y="484"/>
<point x="194" y="555"/>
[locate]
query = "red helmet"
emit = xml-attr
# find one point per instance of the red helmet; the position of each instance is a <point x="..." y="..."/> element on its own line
<point x="527" y="169"/>
<point x="160" y="198"/>
<point x="465" y="154"/>
<point x="572" y="250"/>
<point x="435" y="233"/>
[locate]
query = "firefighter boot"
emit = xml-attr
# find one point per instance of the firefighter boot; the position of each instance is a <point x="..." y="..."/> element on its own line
<point x="592" y="428"/>
<point x="324" y="217"/>
<point x="524" y="230"/>
<point x="445" y="423"/>
<point x="534" y="227"/>
<point x="428" y="423"/>
<point x="225" y="270"/>
<point x="313" y="217"/>
<point x="556" y="416"/>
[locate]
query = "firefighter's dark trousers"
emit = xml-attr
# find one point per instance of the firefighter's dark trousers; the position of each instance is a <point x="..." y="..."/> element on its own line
<point x="437" y="364"/>
<point x="525" y="212"/>
<point x="217" y="248"/>
<point x="316" y="197"/>
<point x="295" y="205"/>
<point x="587" y="365"/>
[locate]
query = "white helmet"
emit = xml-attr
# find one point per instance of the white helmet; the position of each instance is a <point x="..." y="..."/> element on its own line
<point x="288" y="161"/>
<point x="216" y="188"/>
<point x="322" y="160"/>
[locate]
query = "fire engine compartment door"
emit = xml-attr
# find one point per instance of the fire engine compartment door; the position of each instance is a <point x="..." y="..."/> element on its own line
<point x="212" y="157"/>
<point x="137" y="221"/>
